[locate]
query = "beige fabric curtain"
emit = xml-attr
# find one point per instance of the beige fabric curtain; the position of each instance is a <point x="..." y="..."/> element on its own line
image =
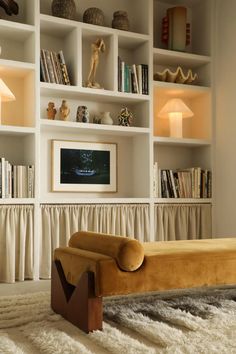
<point x="16" y="242"/>
<point x="182" y="221"/>
<point x="59" y="222"/>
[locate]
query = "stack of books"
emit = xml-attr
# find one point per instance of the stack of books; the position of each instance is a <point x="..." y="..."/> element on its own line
<point x="192" y="182"/>
<point x="53" y="67"/>
<point x="132" y="78"/>
<point x="16" y="181"/>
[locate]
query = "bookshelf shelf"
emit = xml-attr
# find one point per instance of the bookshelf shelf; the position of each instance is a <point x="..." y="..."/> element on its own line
<point x="10" y="130"/>
<point x="16" y="201"/>
<point x="97" y="200"/>
<point x="181" y="142"/>
<point x="182" y="200"/>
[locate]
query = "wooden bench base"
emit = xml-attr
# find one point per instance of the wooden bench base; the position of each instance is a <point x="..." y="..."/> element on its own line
<point x="78" y="305"/>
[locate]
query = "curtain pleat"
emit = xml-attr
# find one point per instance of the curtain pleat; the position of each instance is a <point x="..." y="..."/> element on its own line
<point x="16" y="242"/>
<point x="59" y="222"/>
<point x="182" y="221"/>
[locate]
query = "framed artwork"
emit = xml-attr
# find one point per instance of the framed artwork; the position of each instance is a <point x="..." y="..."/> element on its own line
<point x="84" y="166"/>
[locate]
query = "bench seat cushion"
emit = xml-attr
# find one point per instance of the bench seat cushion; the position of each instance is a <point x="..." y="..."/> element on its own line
<point x="166" y="265"/>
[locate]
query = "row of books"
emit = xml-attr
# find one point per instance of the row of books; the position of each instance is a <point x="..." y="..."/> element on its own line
<point x="132" y="78"/>
<point x="187" y="183"/>
<point x="53" y="67"/>
<point x="16" y="181"/>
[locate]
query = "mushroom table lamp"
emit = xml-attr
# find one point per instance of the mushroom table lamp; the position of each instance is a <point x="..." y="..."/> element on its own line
<point x="5" y="95"/>
<point x="175" y="109"/>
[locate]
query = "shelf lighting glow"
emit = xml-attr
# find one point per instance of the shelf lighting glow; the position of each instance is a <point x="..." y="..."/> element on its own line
<point x="5" y="95"/>
<point x="175" y="110"/>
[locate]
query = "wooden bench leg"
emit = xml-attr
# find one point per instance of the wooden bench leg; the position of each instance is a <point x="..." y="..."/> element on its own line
<point x="78" y="305"/>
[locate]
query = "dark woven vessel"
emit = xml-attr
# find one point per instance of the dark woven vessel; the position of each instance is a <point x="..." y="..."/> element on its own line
<point x="94" y="16"/>
<point x="120" y="20"/>
<point x="64" y="9"/>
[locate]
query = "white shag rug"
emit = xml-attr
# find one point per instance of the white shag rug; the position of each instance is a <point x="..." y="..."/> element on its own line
<point x="199" y="321"/>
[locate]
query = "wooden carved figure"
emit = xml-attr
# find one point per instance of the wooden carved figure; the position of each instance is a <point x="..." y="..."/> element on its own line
<point x="97" y="47"/>
<point x="51" y="110"/>
<point x="64" y="110"/>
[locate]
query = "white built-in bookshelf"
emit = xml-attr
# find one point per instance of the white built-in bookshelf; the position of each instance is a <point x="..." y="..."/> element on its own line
<point x="26" y="133"/>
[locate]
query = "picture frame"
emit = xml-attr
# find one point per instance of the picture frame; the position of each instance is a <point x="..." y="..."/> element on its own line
<point x="79" y="166"/>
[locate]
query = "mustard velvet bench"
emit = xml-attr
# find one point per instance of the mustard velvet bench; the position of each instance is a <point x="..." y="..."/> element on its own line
<point x="96" y="265"/>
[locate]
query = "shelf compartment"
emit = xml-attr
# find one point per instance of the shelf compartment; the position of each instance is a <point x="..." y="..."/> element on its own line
<point x="17" y="42"/>
<point x="133" y="166"/>
<point x="56" y="37"/>
<point x="199" y="64"/>
<point x="200" y="18"/>
<point x="139" y="22"/>
<point x="88" y="128"/>
<point x="198" y="99"/>
<point x="20" y="149"/>
<point x="102" y="102"/>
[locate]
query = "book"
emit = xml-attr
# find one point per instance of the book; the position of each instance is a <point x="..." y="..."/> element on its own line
<point x="65" y="75"/>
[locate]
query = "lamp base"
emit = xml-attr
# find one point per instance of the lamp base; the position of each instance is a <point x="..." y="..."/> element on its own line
<point x="176" y="125"/>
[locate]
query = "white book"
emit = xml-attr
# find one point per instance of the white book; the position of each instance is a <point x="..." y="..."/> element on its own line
<point x="140" y="80"/>
<point x="122" y="76"/>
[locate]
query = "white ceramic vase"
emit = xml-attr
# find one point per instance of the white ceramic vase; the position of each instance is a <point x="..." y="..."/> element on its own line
<point x="106" y="118"/>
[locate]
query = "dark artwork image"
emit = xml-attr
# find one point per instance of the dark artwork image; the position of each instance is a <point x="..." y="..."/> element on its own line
<point x="80" y="166"/>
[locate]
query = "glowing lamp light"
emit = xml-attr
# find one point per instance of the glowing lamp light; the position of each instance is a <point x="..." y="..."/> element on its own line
<point x="5" y="94"/>
<point x="175" y="110"/>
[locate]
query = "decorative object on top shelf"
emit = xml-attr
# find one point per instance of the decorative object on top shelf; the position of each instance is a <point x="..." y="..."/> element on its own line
<point x="125" y="117"/>
<point x="106" y="118"/>
<point x="94" y="16"/>
<point x="51" y="110"/>
<point x="175" y="110"/>
<point x="96" y="47"/>
<point x="82" y="114"/>
<point x="84" y="166"/>
<point x="175" y="29"/>
<point x="120" y="20"/>
<point x="64" y="9"/>
<point x="64" y="110"/>
<point x="10" y="7"/>
<point x="5" y="95"/>
<point x="178" y="76"/>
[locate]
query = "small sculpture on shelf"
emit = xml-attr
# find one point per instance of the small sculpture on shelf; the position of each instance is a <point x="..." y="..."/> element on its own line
<point x="106" y="118"/>
<point x="10" y="7"/>
<point x="51" y="110"/>
<point x="94" y="16"/>
<point x="96" y="120"/>
<point x="82" y="114"/>
<point x="97" y="47"/>
<point x="125" y="117"/>
<point x="64" y="110"/>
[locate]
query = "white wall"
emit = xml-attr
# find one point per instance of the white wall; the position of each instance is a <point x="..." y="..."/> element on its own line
<point x="225" y="143"/>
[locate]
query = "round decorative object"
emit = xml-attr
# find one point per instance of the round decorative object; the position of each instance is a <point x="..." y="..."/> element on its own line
<point x="64" y="9"/>
<point x="120" y="20"/>
<point x="82" y="114"/>
<point x="125" y="117"/>
<point x="94" y="16"/>
<point x="106" y="118"/>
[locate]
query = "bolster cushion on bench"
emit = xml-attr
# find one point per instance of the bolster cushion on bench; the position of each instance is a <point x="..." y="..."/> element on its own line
<point x="128" y="253"/>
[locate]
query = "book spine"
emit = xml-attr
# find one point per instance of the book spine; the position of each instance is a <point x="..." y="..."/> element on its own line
<point x="50" y="67"/>
<point x="42" y="70"/>
<point x="135" y="78"/>
<point x="139" y="75"/>
<point x="64" y="68"/>
<point x="54" y="68"/>
<point x="43" y="55"/>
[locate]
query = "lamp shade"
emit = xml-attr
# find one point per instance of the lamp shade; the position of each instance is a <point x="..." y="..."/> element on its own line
<point x="175" y="105"/>
<point x="5" y="93"/>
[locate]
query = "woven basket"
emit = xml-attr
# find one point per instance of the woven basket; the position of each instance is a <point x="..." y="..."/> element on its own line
<point x="94" y="16"/>
<point x="64" y="9"/>
<point x="120" y="20"/>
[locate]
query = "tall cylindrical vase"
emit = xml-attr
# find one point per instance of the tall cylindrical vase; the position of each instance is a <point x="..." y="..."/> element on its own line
<point x="177" y="19"/>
